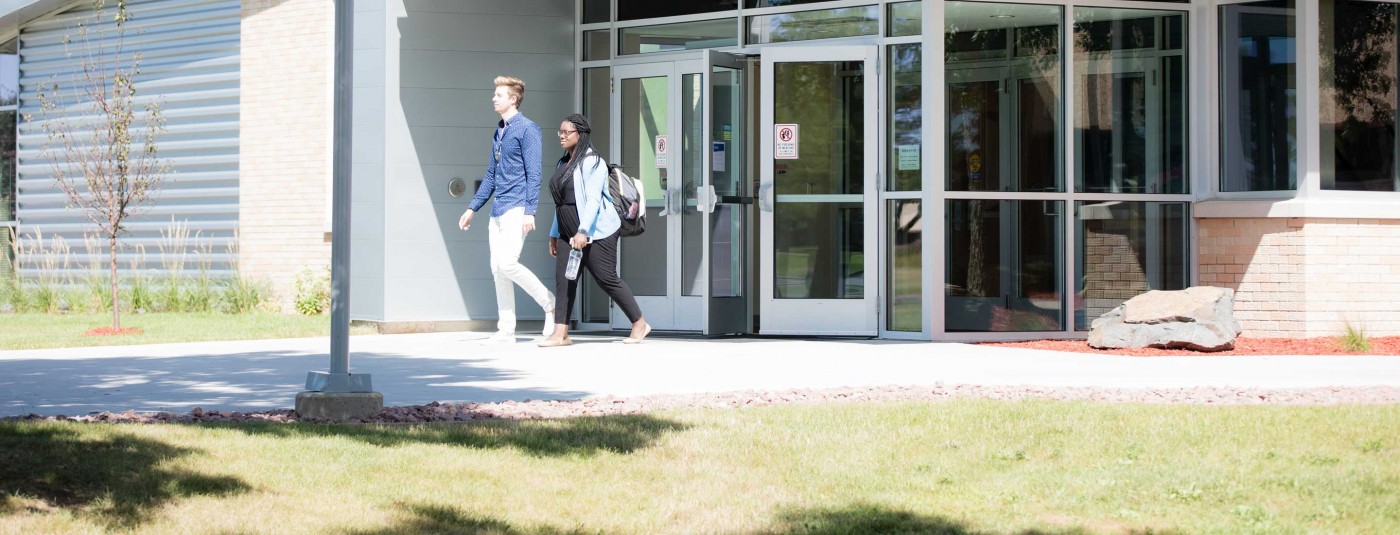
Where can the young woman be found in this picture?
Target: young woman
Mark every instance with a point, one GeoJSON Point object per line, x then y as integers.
{"type": "Point", "coordinates": [585, 220]}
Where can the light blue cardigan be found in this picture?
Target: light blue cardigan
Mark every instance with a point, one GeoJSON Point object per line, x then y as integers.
{"type": "Point", "coordinates": [596, 215]}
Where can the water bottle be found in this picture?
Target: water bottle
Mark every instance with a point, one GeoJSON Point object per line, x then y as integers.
{"type": "Point", "coordinates": [575, 258]}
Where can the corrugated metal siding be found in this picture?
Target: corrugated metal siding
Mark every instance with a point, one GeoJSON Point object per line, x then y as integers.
{"type": "Point", "coordinates": [190, 64]}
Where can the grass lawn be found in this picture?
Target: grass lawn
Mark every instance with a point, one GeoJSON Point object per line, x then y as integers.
{"type": "Point", "coordinates": [36, 331]}
{"type": "Point", "coordinates": [969, 466]}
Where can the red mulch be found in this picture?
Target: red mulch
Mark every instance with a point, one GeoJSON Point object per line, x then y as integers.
{"type": "Point", "coordinates": [108, 331]}
{"type": "Point", "coordinates": [1385, 345]}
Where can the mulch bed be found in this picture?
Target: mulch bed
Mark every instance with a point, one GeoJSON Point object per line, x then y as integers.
{"type": "Point", "coordinates": [108, 331]}
{"type": "Point", "coordinates": [1385, 345]}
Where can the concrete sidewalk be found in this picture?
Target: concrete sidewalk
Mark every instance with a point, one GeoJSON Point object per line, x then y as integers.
{"type": "Point", "coordinates": [413, 369]}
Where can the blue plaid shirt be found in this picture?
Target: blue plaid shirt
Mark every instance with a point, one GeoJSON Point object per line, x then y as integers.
{"type": "Point", "coordinates": [514, 172]}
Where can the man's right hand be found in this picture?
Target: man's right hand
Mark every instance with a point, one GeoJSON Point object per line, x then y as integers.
{"type": "Point", "coordinates": [553, 248]}
{"type": "Point", "coordinates": [466, 221]}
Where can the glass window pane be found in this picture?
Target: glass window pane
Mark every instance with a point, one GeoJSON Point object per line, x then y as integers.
{"type": "Point", "coordinates": [680, 36]}
{"type": "Point", "coordinates": [905, 306]}
{"type": "Point", "coordinates": [1125, 249]}
{"type": "Point", "coordinates": [647, 9]}
{"type": "Point", "coordinates": [9, 73]}
{"type": "Point", "coordinates": [691, 153]}
{"type": "Point", "coordinates": [818, 250]}
{"type": "Point", "coordinates": [1004, 266]}
{"type": "Point", "coordinates": [595, 11]}
{"type": "Point", "coordinates": [906, 119]}
{"type": "Point", "coordinates": [597, 107]}
{"type": "Point", "coordinates": [1129, 110]}
{"type": "Point", "coordinates": [1258, 97]}
{"type": "Point", "coordinates": [1359, 143]}
{"type": "Point", "coordinates": [595, 45]}
{"type": "Point", "coordinates": [644, 117]}
{"type": "Point", "coordinates": [750, 4]}
{"type": "Point", "coordinates": [7, 166]}
{"type": "Point", "coordinates": [905, 18]}
{"type": "Point", "coordinates": [824, 24]}
{"type": "Point", "coordinates": [828, 105]}
{"type": "Point", "coordinates": [1003, 114]}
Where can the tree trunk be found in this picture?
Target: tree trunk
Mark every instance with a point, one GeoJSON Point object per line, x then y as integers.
{"type": "Point", "coordinates": [116, 298]}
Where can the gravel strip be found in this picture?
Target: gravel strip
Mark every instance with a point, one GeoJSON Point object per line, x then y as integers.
{"type": "Point", "coordinates": [605, 406]}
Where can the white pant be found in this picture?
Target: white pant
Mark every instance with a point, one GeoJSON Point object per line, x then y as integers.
{"type": "Point", "coordinates": [506, 237]}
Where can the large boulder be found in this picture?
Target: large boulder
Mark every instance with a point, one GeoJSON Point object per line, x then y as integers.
{"type": "Point", "coordinates": [1200, 318]}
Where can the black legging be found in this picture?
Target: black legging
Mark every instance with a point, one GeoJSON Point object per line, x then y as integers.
{"type": "Point", "coordinates": [600, 257]}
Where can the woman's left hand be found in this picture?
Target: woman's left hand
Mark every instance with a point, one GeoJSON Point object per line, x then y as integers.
{"type": "Point", "coordinates": [578, 241]}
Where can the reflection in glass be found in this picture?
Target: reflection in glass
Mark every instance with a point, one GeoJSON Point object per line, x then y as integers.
{"type": "Point", "coordinates": [596, 11]}
{"type": "Point", "coordinates": [1359, 72]}
{"type": "Point", "coordinates": [597, 107]}
{"type": "Point", "coordinates": [906, 118]}
{"type": "Point", "coordinates": [648, 9]}
{"type": "Point", "coordinates": [819, 250]}
{"type": "Point", "coordinates": [804, 25]}
{"type": "Point", "coordinates": [644, 103]}
{"type": "Point", "coordinates": [1003, 105]}
{"type": "Point", "coordinates": [727, 251]}
{"type": "Point", "coordinates": [905, 308]}
{"type": "Point", "coordinates": [1130, 132]}
{"type": "Point", "coordinates": [826, 100]}
{"type": "Point", "coordinates": [1125, 249]}
{"type": "Point", "coordinates": [595, 45]}
{"type": "Point", "coordinates": [692, 150]}
{"type": "Point", "coordinates": [905, 18]}
{"type": "Point", "coordinates": [1258, 94]}
{"type": "Point", "coordinates": [679, 36]}
{"type": "Point", "coordinates": [9, 73]}
{"type": "Point", "coordinates": [818, 216]}
{"type": "Point", "coordinates": [1004, 266]}
{"type": "Point", "coordinates": [726, 174]}
{"type": "Point", "coordinates": [7, 167]}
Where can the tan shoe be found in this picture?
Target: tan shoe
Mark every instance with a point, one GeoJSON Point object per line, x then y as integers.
{"type": "Point", "coordinates": [646, 329]}
{"type": "Point", "coordinates": [556, 343]}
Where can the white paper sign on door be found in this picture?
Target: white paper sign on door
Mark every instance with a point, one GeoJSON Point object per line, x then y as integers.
{"type": "Point", "coordinates": [908, 158]}
{"type": "Point", "coordinates": [785, 142]}
{"type": "Point", "coordinates": [717, 157]}
{"type": "Point", "coordinates": [663, 152]}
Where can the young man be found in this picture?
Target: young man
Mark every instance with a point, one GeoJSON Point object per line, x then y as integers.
{"type": "Point", "coordinates": [513, 176]}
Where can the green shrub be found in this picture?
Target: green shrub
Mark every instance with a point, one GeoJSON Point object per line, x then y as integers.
{"type": "Point", "coordinates": [243, 295]}
{"type": "Point", "coordinates": [139, 296]}
{"type": "Point", "coordinates": [1354, 340]}
{"type": "Point", "coordinates": [200, 295]}
{"type": "Point", "coordinates": [313, 291]}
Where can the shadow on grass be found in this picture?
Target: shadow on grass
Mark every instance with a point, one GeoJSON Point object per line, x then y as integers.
{"type": "Point", "coordinates": [442, 519]}
{"type": "Point", "coordinates": [118, 475]}
{"type": "Point", "coordinates": [556, 437]}
{"type": "Point", "coordinates": [860, 519]}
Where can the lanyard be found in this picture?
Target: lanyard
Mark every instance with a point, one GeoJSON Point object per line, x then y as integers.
{"type": "Point", "coordinates": [499, 141]}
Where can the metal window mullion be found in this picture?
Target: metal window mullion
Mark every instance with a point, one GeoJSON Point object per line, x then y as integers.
{"type": "Point", "coordinates": [934, 116]}
{"type": "Point", "coordinates": [1309, 103]}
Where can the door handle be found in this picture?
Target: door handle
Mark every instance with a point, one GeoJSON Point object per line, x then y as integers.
{"type": "Point", "coordinates": [710, 200]}
{"type": "Point", "coordinates": [765, 197]}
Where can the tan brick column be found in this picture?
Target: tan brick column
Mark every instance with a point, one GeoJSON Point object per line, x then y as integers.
{"type": "Point", "coordinates": [1305, 277]}
{"type": "Point", "coordinates": [284, 140]}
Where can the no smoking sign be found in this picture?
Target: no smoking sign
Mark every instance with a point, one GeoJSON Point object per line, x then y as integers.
{"type": "Point", "coordinates": [785, 139]}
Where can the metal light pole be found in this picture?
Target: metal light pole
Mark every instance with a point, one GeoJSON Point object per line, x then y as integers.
{"type": "Point", "coordinates": [339, 393]}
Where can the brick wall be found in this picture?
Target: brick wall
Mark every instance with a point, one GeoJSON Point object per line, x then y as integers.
{"type": "Point", "coordinates": [1114, 269]}
{"type": "Point", "coordinates": [1305, 277]}
{"type": "Point", "coordinates": [285, 140]}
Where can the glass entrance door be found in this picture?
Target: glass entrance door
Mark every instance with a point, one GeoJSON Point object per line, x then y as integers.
{"type": "Point", "coordinates": [818, 196]}
{"type": "Point", "coordinates": [677, 126]}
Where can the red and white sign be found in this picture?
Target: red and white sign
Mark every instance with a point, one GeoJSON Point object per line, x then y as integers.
{"type": "Point", "coordinates": [784, 142]}
{"type": "Point", "coordinates": [663, 152]}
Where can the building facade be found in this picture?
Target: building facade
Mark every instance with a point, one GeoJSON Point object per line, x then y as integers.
{"type": "Point", "coordinates": [902, 169]}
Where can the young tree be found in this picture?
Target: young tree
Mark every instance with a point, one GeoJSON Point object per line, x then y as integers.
{"type": "Point", "coordinates": [103, 160]}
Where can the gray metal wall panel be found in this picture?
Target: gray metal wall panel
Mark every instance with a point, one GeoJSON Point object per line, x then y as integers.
{"type": "Point", "coordinates": [367, 193]}
{"type": "Point", "coordinates": [190, 65]}
{"type": "Point", "coordinates": [442, 58]}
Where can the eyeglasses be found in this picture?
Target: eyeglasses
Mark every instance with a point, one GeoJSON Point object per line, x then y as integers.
{"type": "Point", "coordinates": [565, 133]}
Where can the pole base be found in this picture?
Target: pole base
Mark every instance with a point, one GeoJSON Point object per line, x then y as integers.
{"type": "Point", "coordinates": [338, 406]}
{"type": "Point", "coordinates": [338, 382]}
